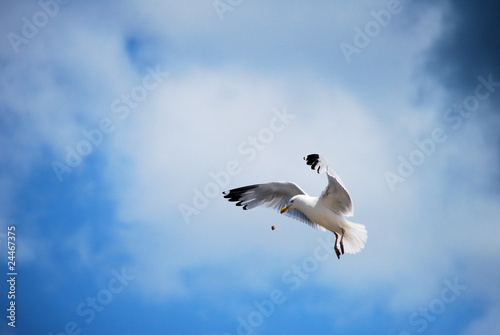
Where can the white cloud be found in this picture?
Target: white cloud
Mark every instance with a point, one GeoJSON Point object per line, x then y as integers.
{"type": "Point", "coordinates": [210, 114]}
{"type": "Point", "coordinates": [189, 128]}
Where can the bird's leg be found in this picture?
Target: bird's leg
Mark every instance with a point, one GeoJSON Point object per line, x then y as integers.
{"type": "Point", "coordinates": [342, 240]}
{"type": "Point", "coordinates": [337, 251]}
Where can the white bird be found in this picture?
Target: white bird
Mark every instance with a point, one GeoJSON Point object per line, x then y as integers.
{"type": "Point", "coordinates": [327, 211]}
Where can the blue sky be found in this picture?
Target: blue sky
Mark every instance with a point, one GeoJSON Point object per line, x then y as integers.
{"type": "Point", "coordinates": [122, 122]}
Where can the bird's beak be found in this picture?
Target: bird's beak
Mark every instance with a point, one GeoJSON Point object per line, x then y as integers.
{"type": "Point", "coordinates": [284, 209]}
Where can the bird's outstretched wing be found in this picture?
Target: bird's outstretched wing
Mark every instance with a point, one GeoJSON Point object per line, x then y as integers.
{"type": "Point", "coordinates": [273, 195]}
{"type": "Point", "coordinates": [335, 195]}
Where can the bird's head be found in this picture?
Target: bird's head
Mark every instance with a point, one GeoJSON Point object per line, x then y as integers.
{"type": "Point", "coordinates": [291, 204]}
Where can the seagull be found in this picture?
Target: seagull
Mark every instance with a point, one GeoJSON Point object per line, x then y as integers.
{"type": "Point", "coordinates": [326, 212]}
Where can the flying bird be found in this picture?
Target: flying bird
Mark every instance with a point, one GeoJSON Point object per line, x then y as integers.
{"type": "Point", "coordinates": [328, 211]}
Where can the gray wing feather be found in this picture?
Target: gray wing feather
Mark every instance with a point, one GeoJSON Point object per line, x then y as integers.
{"type": "Point", "coordinates": [335, 195]}
{"type": "Point", "coordinates": [273, 195]}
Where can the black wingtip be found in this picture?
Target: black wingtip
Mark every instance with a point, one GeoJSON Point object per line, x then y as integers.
{"type": "Point", "coordinates": [235, 195]}
{"type": "Point", "coordinates": [313, 160]}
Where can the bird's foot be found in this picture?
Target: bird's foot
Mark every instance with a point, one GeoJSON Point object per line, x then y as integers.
{"type": "Point", "coordinates": [337, 251]}
{"type": "Point", "coordinates": [342, 241]}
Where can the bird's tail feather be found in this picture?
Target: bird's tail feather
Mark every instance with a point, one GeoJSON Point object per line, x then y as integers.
{"type": "Point", "coordinates": [354, 237]}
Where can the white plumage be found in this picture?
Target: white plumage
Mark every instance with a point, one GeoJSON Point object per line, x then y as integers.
{"type": "Point", "coordinates": [327, 211]}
